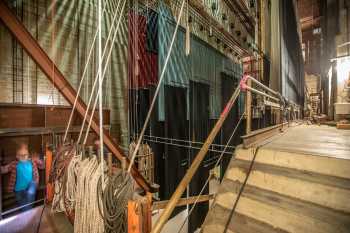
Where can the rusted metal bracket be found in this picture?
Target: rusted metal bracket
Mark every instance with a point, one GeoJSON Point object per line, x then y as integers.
{"type": "Point", "coordinates": [56, 77]}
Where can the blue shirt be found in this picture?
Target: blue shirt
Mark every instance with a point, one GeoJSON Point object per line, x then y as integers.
{"type": "Point", "coordinates": [24, 175]}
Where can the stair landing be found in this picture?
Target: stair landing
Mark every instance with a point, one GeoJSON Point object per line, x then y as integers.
{"type": "Point", "coordinates": [299, 182]}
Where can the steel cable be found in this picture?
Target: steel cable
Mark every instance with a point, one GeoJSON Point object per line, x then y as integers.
{"type": "Point", "coordinates": [207, 181]}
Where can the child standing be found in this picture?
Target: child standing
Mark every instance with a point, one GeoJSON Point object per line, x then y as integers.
{"type": "Point", "coordinates": [24, 175]}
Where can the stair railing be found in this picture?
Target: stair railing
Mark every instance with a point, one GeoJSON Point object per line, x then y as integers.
{"type": "Point", "coordinates": [244, 85]}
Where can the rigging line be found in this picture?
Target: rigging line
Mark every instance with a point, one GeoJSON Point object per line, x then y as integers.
{"type": "Point", "coordinates": [207, 181]}
{"type": "Point", "coordinates": [98, 71]}
{"type": "Point", "coordinates": [241, 189]}
{"type": "Point", "coordinates": [53, 51]}
{"type": "Point", "coordinates": [103, 74]}
{"type": "Point", "coordinates": [96, 78]}
{"type": "Point", "coordinates": [157, 90]}
{"type": "Point", "coordinates": [184, 146]}
{"type": "Point", "coordinates": [100, 84]}
{"type": "Point", "coordinates": [157, 139]}
{"type": "Point", "coordinates": [82, 79]}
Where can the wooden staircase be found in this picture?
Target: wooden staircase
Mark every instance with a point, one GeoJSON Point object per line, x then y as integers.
{"type": "Point", "coordinates": [285, 192]}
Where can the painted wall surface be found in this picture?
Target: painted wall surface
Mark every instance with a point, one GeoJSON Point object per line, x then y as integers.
{"type": "Point", "coordinates": [204, 63]}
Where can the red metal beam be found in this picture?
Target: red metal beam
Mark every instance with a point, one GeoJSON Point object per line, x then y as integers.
{"type": "Point", "coordinates": [56, 77]}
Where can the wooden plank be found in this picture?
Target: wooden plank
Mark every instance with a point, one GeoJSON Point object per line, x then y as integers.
{"type": "Point", "coordinates": [140, 215]}
{"type": "Point", "coordinates": [257, 136]}
{"type": "Point", "coordinates": [16, 132]}
{"type": "Point", "coordinates": [183, 201]}
{"type": "Point", "coordinates": [343, 126]}
{"type": "Point", "coordinates": [48, 165]}
{"type": "Point", "coordinates": [29, 115]}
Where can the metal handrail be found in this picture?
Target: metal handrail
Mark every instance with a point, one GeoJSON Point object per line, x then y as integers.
{"type": "Point", "coordinates": [204, 149]}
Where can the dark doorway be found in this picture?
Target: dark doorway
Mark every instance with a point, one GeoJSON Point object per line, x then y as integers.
{"type": "Point", "coordinates": [199, 128]}
{"type": "Point", "coordinates": [175, 127]}
{"type": "Point", "coordinates": [228, 86]}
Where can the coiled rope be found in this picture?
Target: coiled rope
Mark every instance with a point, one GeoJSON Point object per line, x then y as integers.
{"type": "Point", "coordinates": [115, 196]}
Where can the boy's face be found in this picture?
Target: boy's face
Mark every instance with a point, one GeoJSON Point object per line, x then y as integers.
{"type": "Point", "coordinates": [97, 144]}
{"type": "Point", "coordinates": [22, 153]}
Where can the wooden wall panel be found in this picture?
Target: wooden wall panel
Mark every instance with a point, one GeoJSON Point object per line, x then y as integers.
{"type": "Point", "coordinates": [28, 116]}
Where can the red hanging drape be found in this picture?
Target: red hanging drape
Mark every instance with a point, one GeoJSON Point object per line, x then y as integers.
{"type": "Point", "coordinates": [142, 65]}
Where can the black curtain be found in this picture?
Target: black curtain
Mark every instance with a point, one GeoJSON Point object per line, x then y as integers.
{"type": "Point", "coordinates": [228, 85]}
{"type": "Point", "coordinates": [199, 128]}
{"type": "Point", "coordinates": [175, 125]}
{"type": "Point", "coordinates": [139, 101]}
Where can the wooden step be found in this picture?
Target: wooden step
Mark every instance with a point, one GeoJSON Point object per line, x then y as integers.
{"type": "Point", "coordinates": [278, 217]}
{"type": "Point", "coordinates": [239, 224]}
{"type": "Point", "coordinates": [338, 220]}
{"type": "Point", "coordinates": [325, 165]}
{"type": "Point", "coordinates": [328, 191]}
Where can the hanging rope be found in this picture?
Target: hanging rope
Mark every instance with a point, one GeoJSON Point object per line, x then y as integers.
{"type": "Point", "coordinates": [82, 79]}
{"type": "Point", "coordinates": [115, 196]}
{"type": "Point", "coordinates": [158, 88]}
{"type": "Point", "coordinates": [100, 81]}
{"type": "Point", "coordinates": [57, 175]}
{"type": "Point", "coordinates": [188, 31]}
{"type": "Point", "coordinates": [53, 52]}
{"type": "Point", "coordinates": [98, 72]}
{"type": "Point", "coordinates": [103, 75]}
{"type": "Point", "coordinates": [87, 217]}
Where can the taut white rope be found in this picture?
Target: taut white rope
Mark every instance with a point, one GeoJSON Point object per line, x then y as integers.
{"type": "Point", "coordinates": [103, 75]}
{"type": "Point", "coordinates": [158, 88]}
{"type": "Point", "coordinates": [82, 80]}
{"type": "Point", "coordinates": [98, 72]}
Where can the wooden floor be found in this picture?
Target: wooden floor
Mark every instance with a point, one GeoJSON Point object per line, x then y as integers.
{"type": "Point", "coordinates": [27, 222]}
{"type": "Point", "coordinates": [312, 139]}
{"type": "Point", "coordinates": [299, 182]}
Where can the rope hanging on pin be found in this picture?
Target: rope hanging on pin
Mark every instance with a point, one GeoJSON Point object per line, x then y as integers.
{"type": "Point", "coordinates": [188, 32]}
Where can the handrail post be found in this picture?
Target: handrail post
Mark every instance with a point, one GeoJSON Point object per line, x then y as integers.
{"type": "Point", "coordinates": [248, 108]}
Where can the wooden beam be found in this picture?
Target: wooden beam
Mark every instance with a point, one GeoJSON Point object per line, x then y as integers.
{"type": "Point", "coordinates": [140, 215]}
{"type": "Point", "coordinates": [257, 136]}
{"type": "Point", "coordinates": [49, 68]}
{"type": "Point", "coordinates": [15, 132]}
{"type": "Point", "coordinates": [343, 126]}
{"type": "Point", "coordinates": [183, 201]}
